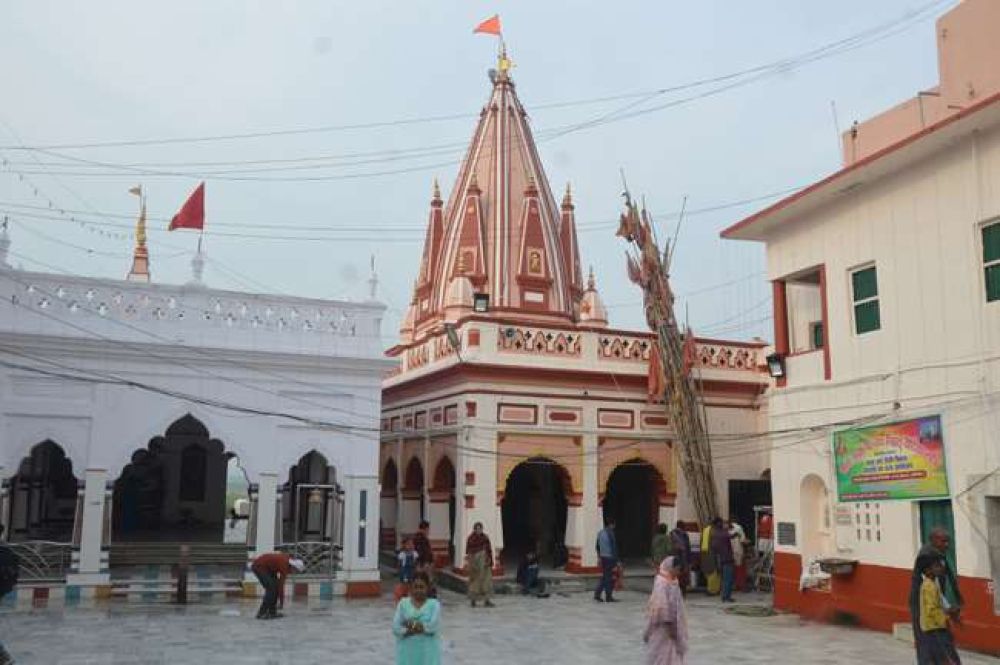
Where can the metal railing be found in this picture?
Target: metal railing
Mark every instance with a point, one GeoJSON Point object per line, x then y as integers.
{"type": "Point", "coordinates": [322, 559]}
{"type": "Point", "coordinates": [42, 560]}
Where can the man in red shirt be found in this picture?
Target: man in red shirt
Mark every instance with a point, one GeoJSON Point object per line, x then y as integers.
{"type": "Point", "coordinates": [272, 569]}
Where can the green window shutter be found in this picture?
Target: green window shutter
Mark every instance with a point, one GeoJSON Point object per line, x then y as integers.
{"type": "Point", "coordinates": [865, 283]}
{"type": "Point", "coordinates": [866, 317]}
{"type": "Point", "coordinates": [817, 334]}
{"type": "Point", "coordinates": [993, 283]}
{"type": "Point", "coordinates": [991, 243]}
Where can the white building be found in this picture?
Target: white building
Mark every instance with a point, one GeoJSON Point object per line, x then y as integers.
{"type": "Point", "coordinates": [128, 409]}
{"type": "Point", "coordinates": [887, 310]}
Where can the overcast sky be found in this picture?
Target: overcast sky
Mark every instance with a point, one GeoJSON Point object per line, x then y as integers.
{"type": "Point", "coordinates": [111, 70]}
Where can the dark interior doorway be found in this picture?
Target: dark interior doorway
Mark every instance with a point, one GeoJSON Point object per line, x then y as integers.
{"type": "Point", "coordinates": [174, 489]}
{"type": "Point", "coordinates": [43, 496]}
{"type": "Point", "coordinates": [632, 500]}
{"type": "Point", "coordinates": [743, 496]}
{"type": "Point", "coordinates": [534, 511]}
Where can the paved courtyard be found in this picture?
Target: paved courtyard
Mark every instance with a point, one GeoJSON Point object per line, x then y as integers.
{"type": "Point", "coordinates": [561, 629]}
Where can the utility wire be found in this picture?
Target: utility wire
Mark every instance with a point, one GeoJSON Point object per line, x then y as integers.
{"type": "Point", "coordinates": [863, 38]}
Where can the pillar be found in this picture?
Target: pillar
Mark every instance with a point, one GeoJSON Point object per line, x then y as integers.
{"type": "Point", "coordinates": [584, 520]}
{"type": "Point", "coordinates": [4, 508]}
{"type": "Point", "coordinates": [400, 481]}
{"type": "Point", "coordinates": [90, 558]}
{"type": "Point", "coordinates": [265, 519]}
{"type": "Point", "coordinates": [360, 556]}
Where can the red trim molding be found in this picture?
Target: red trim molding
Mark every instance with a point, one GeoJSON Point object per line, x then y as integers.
{"type": "Point", "coordinates": [876, 596]}
{"type": "Point", "coordinates": [363, 590]}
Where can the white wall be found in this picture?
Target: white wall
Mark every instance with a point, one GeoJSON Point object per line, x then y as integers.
{"type": "Point", "coordinates": [938, 347]}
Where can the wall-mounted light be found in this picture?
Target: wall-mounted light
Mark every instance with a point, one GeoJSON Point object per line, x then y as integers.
{"type": "Point", "coordinates": [481, 302]}
{"type": "Point", "coordinates": [776, 366]}
{"type": "Point", "coordinates": [453, 339]}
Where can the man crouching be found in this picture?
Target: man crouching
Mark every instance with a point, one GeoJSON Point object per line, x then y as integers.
{"type": "Point", "coordinates": [272, 569]}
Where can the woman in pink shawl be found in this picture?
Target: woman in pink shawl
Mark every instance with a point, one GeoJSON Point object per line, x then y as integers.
{"type": "Point", "coordinates": [666, 634]}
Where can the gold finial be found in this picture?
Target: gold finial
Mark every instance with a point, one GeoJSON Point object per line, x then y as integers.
{"type": "Point", "coordinates": [504, 64]}
{"type": "Point", "coordinates": [437, 190]}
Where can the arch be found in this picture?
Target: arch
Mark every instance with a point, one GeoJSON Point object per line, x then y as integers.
{"type": "Point", "coordinates": [633, 495]}
{"type": "Point", "coordinates": [174, 488]}
{"type": "Point", "coordinates": [535, 508]}
{"type": "Point", "coordinates": [308, 498]}
{"type": "Point", "coordinates": [390, 478]}
{"type": "Point", "coordinates": [43, 495]}
{"type": "Point", "coordinates": [72, 434]}
{"type": "Point", "coordinates": [192, 419]}
{"type": "Point", "coordinates": [444, 476]}
{"type": "Point", "coordinates": [814, 517]}
{"type": "Point", "coordinates": [414, 478]}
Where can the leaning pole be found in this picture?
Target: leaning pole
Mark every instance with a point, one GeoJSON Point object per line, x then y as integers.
{"type": "Point", "coordinates": [649, 268]}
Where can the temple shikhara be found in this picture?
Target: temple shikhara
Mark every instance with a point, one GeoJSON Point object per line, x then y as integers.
{"type": "Point", "coordinates": [514, 403]}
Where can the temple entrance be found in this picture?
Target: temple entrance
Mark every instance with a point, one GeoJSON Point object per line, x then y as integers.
{"type": "Point", "coordinates": [43, 496]}
{"type": "Point", "coordinates": [534, 511]}
{"type": "Point", "coordinates": [306, 500]}
{"type": "Point", "coordinates": [632, 500]}
{"type": "Point", "coordinates": [312, 515]}
{"type": "Point", "coordinates": [174, 489]}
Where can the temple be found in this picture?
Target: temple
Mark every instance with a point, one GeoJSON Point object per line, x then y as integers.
{"type": "Point", "coordinates": [514, 403]}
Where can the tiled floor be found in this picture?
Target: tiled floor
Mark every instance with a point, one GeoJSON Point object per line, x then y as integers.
{"type": "Point", "coordinates": [561, 629]}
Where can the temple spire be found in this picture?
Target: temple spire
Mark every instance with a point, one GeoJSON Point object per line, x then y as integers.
{"type": "Point", "coordinates": [140, 255]}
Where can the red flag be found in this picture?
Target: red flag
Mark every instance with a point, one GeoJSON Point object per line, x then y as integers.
{"type": "Point", "coordinates": [490, 26]}
{"type": "Point", "coordinates": [192, 213]}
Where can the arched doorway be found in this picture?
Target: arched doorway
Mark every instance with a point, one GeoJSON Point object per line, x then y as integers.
{"type": "Point", "coordinates": [411, 505]}
{"type": "Point", "coordinates": [174, 489]}
{"type": "Point", "coordinates": [388, 507]}
{"type": "Point", "coordinates": [442, 496]}
{"type": "Point", "coordinates": [632, 500]}
{"type": "Point", "coordinates": [307, 500]}
{"type": "Point", "coordinates": [534, 510]}
{"type": "Point", "coordinates": [43, 496]}
{"type": "Point", "coordinates": [814, 507]}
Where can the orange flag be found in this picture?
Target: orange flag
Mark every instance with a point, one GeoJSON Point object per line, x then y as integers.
{"type": "Point", "coordinates": [490, 26]}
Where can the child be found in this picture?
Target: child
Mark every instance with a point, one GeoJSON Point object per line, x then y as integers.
{"type": "Point", "coordinates": [407, 561]}
{"type": "Point", "coordinates": [407, 558]}
{"type": "Point", "coordinates": [938, 644]}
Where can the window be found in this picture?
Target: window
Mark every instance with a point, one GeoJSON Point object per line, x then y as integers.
{"type": "Point", "coordinates": [864, 287]}
{"type": "Point", "coordinates": [194, 472]}
{"type": "Point", "coordinates": [991, 260]}
{"type": "Point", "coordinates": [816, 332]}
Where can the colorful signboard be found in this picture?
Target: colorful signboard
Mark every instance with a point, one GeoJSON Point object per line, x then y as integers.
{"type": "Point", "coordinates": [903, 460]}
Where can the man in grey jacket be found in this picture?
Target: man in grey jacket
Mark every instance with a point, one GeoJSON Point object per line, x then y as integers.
{"type": "Point", "coordinates": [607, 552]}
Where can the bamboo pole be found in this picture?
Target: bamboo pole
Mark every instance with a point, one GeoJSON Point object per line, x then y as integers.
{"type": "Point", "coordinates": [649, 268]}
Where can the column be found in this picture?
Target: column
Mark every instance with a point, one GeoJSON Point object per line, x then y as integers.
{"type": "Point", "coordinates": [400, 481]}
{"type": "Point", "coordinates": [265, 519]}
{"type": "Point", "coordinates": [583, 520]}
{"type": "Point", "coordinates": [464, 495]}
{"type": "Point", "coordinates": [4, 508]}
{"type": "Point", "coordinates": [360, 556]}
{"type": "Point", "coordinates": [90, 559]}
{"type": "Point", "coordinates": [481, 499]}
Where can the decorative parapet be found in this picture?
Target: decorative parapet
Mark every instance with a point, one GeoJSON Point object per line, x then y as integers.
{"type": "Point", "coordinates": [720, 355]}
{"type": "Point", "coordinates": [118, 310]}
{"type": "Point", "coordinates": [621, 347]}
{"type": "Point", "coordinates": [537, 341]}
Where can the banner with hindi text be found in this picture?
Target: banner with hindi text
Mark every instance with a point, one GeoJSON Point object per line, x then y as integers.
{"type": "Point", "coordinates": [903, 460]}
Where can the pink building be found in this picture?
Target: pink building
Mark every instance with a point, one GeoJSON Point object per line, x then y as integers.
{"type": "Point", "coordinates": [514, 404]}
